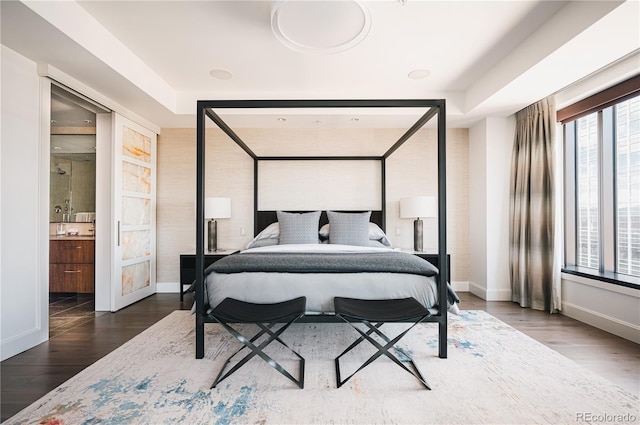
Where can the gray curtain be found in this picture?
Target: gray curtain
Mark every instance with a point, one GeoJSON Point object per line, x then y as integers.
{"type": "Point", "coordinates": [532, 208]}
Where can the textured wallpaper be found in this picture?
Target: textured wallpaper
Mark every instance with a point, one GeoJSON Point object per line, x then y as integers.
{"type": "Point", "coordinates": [411, 171]}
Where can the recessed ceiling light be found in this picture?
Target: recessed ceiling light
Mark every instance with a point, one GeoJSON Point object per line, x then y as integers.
{"type": "Point", "coordinates": [221, 74]}
{"type": "Point", "coordinates": [419, 74]}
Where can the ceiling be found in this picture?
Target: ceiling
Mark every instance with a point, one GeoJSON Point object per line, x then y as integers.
{"type": "Point", "coordinates": [155, 58]}
{"type": "Point", "coordinates": [71, 111]}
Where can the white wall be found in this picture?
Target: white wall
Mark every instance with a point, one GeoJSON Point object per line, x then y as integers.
{"type": "Point", "coordinates": [613, 308]}
{"type": "Point", "coordinates": [23, 228]}
{"type": "Point", "coordinates": [478, 204]}
{"type": "Point", "coordinates": [500, 134]}
{"type": "Point", "coordinates": [490, 146]}
{"type": "Point", "coordinates": [320, 185]}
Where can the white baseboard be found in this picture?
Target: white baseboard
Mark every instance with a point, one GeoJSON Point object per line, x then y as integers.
{"type": "Point", "coordinates": [460, 286]}
{"type": "Point", "coordinates": [478, 290]}
{"type": "Point", "coordinates": [601, 321]}
{"type": "Point", "coordinates": [168, 287]}
{"type": "Point", "coordinates": [20, 343]}
{"type": "Point", "coordinates": [490, 295]}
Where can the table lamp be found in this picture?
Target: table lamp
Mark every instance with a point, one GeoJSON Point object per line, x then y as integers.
{"type": "Point", "coordinates": [418, 207]}
{"type": "Point", "coordinates": [216, 208]}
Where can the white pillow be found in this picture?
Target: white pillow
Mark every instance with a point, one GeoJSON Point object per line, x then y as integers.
{"type": "Point", "coordinates": [376, 234]}
{"type": "Point", "coordinates": [272, 231]}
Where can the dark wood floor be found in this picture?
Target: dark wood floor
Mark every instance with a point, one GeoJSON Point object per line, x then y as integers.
{"type": "Point", "coordinates": [66, 311]}
{"type": "Point", "coordinates": [28, 376]}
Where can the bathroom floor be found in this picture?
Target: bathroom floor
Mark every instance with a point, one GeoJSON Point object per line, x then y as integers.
{"type": "Point", "coordinates": [69, 310]}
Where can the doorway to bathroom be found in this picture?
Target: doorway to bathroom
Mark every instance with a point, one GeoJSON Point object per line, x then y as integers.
{"type": "Point", "coordinates": [72, 211]}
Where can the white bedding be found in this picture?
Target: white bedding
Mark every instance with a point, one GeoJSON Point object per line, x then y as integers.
{"type": "Point", "coordinates": [319, 288]}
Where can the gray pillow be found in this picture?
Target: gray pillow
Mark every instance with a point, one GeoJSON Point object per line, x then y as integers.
{"type": "Point", "coordinates": [375, 235]}
{"type": "Point", "coordinates": [349, 228]}
{"type": "Point", "coordinates": [298, 228]}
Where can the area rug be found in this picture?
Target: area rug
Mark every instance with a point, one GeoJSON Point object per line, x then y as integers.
{"type": "Point", "coordinates": [494, 374]}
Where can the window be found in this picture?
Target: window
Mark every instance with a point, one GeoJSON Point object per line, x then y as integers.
{"type": "Point", "coordinates": [602, 185]}
{"type": "Point", "coordinates": [587, 193]}
{"type": "Point", "coordinates": [628, 186]}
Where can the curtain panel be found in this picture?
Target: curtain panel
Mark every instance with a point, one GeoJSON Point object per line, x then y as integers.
{"type": "Point", "coordinates": [532, 209]}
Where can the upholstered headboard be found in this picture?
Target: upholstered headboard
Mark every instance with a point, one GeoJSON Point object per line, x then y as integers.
{"type": "Point", "coordinates": [265, 218]}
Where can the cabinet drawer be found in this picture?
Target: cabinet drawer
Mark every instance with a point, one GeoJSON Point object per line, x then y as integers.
{"type": "Point", "coordinates": [71, 252]}
{"type": "Point", "coordinates": [71, 278]}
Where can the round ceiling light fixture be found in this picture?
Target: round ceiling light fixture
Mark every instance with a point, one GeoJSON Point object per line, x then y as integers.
{"type": "Point", "coordinates": [221, 74]}
{"type": "Point", "coordinates": [419, 74]}
{"type": "Point", "coordinates": [320, 27]}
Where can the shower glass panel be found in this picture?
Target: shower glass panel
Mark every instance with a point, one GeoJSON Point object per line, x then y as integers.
{"type": "Point", "coordinates": [72, 177]}
{"type": "Point", "coordinates": [60, 191]}
{"type": "Point", "coordinates": [72, 186]}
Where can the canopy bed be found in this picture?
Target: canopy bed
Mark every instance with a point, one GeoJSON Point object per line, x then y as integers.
{"type": "Point", "coordinates": [299, 266]}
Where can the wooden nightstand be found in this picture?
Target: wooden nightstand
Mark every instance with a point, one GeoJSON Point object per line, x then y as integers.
{"type": "Point", "coordinates": [188, 266]}
{"type": "Point", "coordinates": [433, 259]}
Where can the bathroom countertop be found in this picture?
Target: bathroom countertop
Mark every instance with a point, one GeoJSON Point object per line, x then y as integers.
{"type": "Point", "coordinates": [72, 238]}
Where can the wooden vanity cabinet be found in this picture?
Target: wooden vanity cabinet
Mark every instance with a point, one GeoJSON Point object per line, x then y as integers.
{"type": "Point", "coordinates": [71, 266]}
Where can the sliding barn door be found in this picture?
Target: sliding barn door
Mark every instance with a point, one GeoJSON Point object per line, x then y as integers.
{"type": "Point", "coordinates": [134, 203]}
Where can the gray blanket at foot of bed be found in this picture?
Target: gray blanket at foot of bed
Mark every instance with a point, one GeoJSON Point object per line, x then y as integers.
{"type": "Point", "coordinates": [387, 262]}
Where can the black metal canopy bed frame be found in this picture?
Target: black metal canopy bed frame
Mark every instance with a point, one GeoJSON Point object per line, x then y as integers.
{"type": "Point", "coordinates": [206, 110]}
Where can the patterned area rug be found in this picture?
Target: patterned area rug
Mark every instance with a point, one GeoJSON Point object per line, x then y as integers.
{"type": "Point", "coordinates": [494, 374]}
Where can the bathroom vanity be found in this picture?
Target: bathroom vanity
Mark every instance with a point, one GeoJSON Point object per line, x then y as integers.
{"type": "Point", "coordinates": [71, 264]}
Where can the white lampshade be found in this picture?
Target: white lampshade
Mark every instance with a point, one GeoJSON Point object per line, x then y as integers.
{"type": "Point", "coordinates": [418, 206]}
{"type": "Point", "coordinates": [217, 208]}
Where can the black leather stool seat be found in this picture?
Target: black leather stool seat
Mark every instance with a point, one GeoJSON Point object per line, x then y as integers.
{"type": "Point", "coordinates": [368, 312]}
{"type": "Point", "coordinates": [394, 310]}
{"type": "Point", "coordinates": [266, 317]}
{"type": "Point", "coordinates": [235, 311]}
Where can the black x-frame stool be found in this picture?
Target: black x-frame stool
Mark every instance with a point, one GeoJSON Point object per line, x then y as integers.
{"type": "Point", "coordinates": [266, 317]}
{"type": "Point", "coordinates": [368, 312]}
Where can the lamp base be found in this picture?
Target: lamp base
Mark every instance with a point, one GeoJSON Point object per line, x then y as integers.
{"type": "Point", "coordinates": [213, 236]}
{"type": "Point", "coordinates": [417, 235]}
